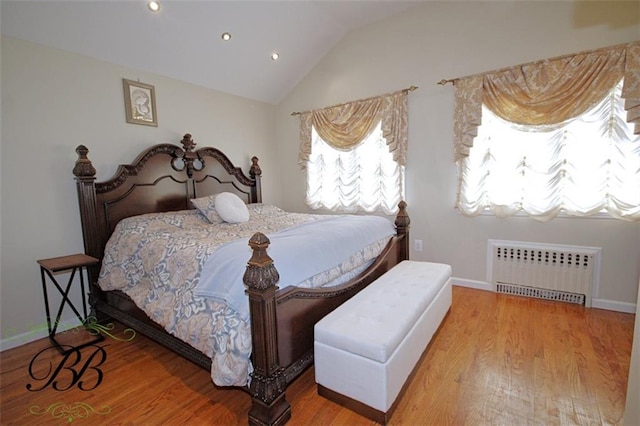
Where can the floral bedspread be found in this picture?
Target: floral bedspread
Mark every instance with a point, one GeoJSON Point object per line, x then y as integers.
{"type": "Point", "coordinates": [156, 259]}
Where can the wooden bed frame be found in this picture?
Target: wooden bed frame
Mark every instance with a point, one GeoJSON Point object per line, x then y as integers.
{"type": "Point", "coordinates": [164, 178]}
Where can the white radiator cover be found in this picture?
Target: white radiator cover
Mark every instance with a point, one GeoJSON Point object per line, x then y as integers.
{"type": "Point", "coordinates": [548, 271]}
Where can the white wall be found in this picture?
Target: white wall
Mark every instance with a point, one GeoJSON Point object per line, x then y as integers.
{"type": "Point", "coordinates": [52, 101]}
{"type": "Point", "coordinates": [437, 40]}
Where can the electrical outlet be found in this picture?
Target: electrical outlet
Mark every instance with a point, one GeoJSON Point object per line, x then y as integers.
{"type": "Point", "coordinates": [418, 245]}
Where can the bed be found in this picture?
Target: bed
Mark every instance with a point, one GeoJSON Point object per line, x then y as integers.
{"type": "Point", "coordinates": [165, 179]}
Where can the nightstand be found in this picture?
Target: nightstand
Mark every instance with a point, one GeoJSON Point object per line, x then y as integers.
{"type": "Point", "coordinates": [74, 263]}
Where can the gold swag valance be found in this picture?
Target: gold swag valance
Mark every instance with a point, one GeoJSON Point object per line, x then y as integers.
{"type": "Point", "coordinates": [547, 92]}
{"type": "Point", "coordinates": [344, 126]}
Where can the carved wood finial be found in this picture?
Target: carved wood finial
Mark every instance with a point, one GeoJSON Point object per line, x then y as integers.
{"type": "Point", "coordinates": [83, 167]}
{"type": "Point", "coordinates": [402, 218]}
{"type": "Point", "coordinates": [255, 168]}
{"type": "Point", "coordinates": [188, 143]}
{"type": "Point", "coordinates": [187, 159]}
{"type": "Point", "coordinates": [260, 273]}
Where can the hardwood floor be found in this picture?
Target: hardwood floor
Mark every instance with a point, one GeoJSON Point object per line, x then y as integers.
{"type": "Point", "coordinates": [497, 359]}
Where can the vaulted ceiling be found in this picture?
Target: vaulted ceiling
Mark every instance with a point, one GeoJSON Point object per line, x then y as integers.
{"type": "Point", "coordinates": [183, 39]}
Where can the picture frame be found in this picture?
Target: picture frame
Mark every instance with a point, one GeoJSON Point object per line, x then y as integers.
{"type": "Point", "coordinates": [140, 103]}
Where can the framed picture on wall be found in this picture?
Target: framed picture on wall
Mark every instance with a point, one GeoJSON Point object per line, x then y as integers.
{"type": "Point", "coordinates": [140, 103]}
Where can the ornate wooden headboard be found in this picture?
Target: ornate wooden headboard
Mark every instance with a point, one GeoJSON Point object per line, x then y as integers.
{"type": "Point", "coordinates": [163, 178]}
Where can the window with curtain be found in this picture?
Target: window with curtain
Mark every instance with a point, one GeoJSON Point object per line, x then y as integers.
{"type": "Point", "coordinates": [354, 154]}
{"type": "Point", "coordinates": [364, 178]}
{"type": "Point", "coordinates": [554, 137]}
{"type": "Point", "coordinates": [587, 165]}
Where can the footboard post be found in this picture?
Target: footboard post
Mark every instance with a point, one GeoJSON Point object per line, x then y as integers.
{"type": "Point", "coordinates": [268, 383]}
{"type": "Point", "coordinates": [402, 229]}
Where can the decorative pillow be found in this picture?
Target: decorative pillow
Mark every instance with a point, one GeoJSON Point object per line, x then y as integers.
{"type": "Point", "coordinates": [231, 208]}
{"type": "Point", "coordinates": [206, 206]}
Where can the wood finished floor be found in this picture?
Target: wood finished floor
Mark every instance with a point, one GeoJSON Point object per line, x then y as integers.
{"type": "Point", "coordinates": [497, 360]}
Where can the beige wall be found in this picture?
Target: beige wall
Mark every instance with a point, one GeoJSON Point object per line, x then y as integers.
{"type": "Point", "coordinates": [52, 101]}
{"type": "Point", "coordinates": [437, 40]}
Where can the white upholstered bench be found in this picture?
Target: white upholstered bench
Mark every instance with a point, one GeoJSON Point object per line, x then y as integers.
{"type": "Point", "coordinates": [366, 349]}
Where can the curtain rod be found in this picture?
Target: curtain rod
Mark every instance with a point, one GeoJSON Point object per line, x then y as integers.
{"type": "Point", "coordinates": [444, 81]}
{"type": "Point", "coordinates": [408, 89]}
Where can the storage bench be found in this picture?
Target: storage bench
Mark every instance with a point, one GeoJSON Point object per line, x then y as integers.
{"type": "Point", "coordinates": [366, 349]}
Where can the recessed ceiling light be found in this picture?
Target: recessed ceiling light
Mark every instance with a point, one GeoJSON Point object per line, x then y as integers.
{"type": "Point", "coordinates": [275, 56]}
{"type": "Point", "coordinates": [226, 36]}
{"type": "Point", "coordinates": [153, 6]}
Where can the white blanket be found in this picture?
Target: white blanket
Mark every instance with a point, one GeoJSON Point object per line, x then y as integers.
{"type": "Point", "coordinates": [299, 253]}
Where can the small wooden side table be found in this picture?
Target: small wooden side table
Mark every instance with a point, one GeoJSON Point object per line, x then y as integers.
{"type": "Point", "coordinates": [73, 263]}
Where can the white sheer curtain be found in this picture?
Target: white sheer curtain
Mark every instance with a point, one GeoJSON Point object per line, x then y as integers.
{"type": "Point", "coordinates": [354, 154]}
{"type": "Point", "coordinates": [363, 178]}
{"type": "Point", "coordinates": [580, 167]}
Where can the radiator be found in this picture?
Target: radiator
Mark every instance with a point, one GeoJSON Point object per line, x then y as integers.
{"type": "Point", "coordinates": [546, 271]}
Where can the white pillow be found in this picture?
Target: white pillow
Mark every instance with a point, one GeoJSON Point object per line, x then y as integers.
{"type": "Point", "coordinates": [206, 206]}
{"type": "Point", "coordinates": [231, 208]}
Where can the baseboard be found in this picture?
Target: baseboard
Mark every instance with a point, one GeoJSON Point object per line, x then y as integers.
{"type": "Point", "coordinates": [612, 305]}
{"type": "Point", "coordinates": [36, 333]}
{"type": "Point", "coordinates": [479, 285]}
{"type": "Point", "coordinates": [609, 305]}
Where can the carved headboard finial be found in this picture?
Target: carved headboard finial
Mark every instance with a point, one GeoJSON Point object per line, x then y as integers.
{"type": "Point", "coordinates": [83, 167]}
{"type": "Point", "coordinates": [187, 159]}
{"type": "Point", "coordinates": [188, 143]}
{"type": "Point", "coordinates": [255, 168]}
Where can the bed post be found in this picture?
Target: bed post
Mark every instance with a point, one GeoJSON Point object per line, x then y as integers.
{"type": "Point", "coordinates": [268, 383]}
{"type": "Point", "coordinates": [402, 229]}
{"type": "Point", "coordinates": [85, 175]}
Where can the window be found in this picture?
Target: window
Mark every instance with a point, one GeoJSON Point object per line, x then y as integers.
{"type": "Point", "coordinates": [354, 154]}
{"type": "Point", "coordinates": [566, 140]}
{"type": "Point", "coordinates": [580, 167]}
{"type": "Point", "coordinates": [364, 178]}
